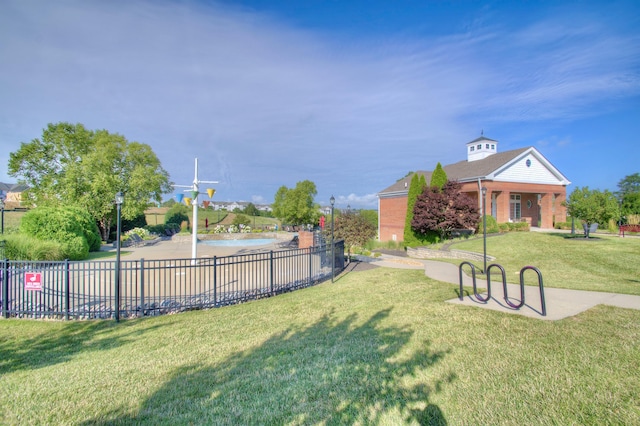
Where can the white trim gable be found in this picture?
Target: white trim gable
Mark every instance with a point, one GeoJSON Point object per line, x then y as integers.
{"type": "Point", "coordinates": [529, 167]}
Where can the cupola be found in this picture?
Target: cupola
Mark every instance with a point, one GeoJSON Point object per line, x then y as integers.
{"type": "Point", "coordinates": [480, 148]}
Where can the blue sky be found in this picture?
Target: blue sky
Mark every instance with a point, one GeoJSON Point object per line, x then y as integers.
{"type": "Point", "coordinates": [351, 95]}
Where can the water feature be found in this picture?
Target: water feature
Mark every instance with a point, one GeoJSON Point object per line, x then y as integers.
{"type": "Point", "coordinates": [240, 242]}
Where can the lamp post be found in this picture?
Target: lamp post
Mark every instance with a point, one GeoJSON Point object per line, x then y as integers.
{"type": "Point", "coordinates": [2, 208]}
{"type": "Point", "coordinates": [333, 257]}
{"type": "Point", "coordinates": [119, 200]}
{"type": "Point", "coordinates": [484, 225]}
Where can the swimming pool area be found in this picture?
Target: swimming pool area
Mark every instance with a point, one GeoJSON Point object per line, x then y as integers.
{"type": "Point", "coordinates": [239, 243]}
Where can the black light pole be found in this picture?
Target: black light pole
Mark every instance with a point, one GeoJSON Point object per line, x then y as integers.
{"type": "Point", "coordinates": [2, 207]}
{"type": "Point", "coordinates": [119, 200]}
{"type": "Point", "coordinates": [484, 225]}
{"type": "Point", "coordinates": [333, 257]}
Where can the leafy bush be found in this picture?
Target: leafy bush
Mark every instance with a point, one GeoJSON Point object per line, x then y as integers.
{"type": "Point", "coordinates": [69, 226]}
{"type": "Point", "coordinates": [24, 247]}
{"type": "Point", "coordinates": [90, 228]}
{"type": "Point", "coordinates": [177, 214]}
{"type": "Point", "coordinates": [492, 225]}
{"type": "Point", "coordinates": [513, 226]}
{"type": "Point", "coordinates": [156, 229]}
{"type": "Point", "coordinates": [141, 232]}
{"type": "Point", "coordinates": [241, 219]}
{"type": "Point", "coordinates": [564, 225]}
{"type": "Point", "coordinates": [139, 221]}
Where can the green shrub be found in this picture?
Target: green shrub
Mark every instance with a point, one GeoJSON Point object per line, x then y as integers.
{"type": "Point", "coordinates": [178, 213]}
{"type": "Point", "coordinates": [141, 232]}
{"type": "Point", "coordinates": [562, 225]}
{"type": "Point", "coordinates": [65, 225]}
{"type": "Point", "coordinates": [89, 227]}
{"type": "Point", "coordinates": [24, 247]}
{"type": "Point", "coordinates": [139, 221]}
{"type": "Point", "coordinates": [241, 219]}
{"type": "Point", "coordinates": [492, 225]}
{"type": "Point", "coordinates": [521, 227]}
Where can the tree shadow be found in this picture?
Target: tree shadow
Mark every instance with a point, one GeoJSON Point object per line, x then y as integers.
{"type": "Point", "coordinates": [332, 372]}
{"type": "Point", "coordinates": [62, 344]}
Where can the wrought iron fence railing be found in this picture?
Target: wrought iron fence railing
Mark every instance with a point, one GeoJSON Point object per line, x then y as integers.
{"type": "Point", "coordinates": [86, 289]}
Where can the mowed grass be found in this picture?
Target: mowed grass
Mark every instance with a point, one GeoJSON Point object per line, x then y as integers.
{"type": "Point", "coordinates": [602, 263]}
{"type": "Point", "coordinates": [377, 347]}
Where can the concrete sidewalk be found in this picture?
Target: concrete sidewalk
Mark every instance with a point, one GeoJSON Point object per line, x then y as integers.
{"type": "Point", "coordinates": [560, 303]}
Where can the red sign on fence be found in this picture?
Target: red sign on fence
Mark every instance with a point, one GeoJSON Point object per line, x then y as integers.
{"type": "Point", "coordinates": [33, 281]}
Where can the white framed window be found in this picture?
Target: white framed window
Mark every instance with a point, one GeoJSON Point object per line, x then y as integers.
{"type": "Point", "coordinates": [472, 148]}
{"type": "Point", "coordinates": [486, 146]}
{"type": "Point", "coordinates": [515, 207]}
{"type": "Point", "coordinates": [479, 146]}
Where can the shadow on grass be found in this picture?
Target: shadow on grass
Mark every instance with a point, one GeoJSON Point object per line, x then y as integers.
{"type": "Point", "coordinates": [64, 343]}
{"type": "Point", "coordinates": [332, 372]}
{"type": "Point", "coordinates": [578, 236]}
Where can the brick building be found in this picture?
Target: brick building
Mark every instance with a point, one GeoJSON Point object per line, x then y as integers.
{"type": "Point", "coordinates": [521, 185]}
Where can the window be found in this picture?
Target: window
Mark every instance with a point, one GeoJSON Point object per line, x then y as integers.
{"type": "Point", "coordinates": [487, 146]}
{"type": "Point", "coordinates": [515, 209]}
{"type": "Point", "coordinates": [472, 148]}
{"type": "Point", "coordinates": [493, 146]}
{"type": "Point", "coordinates": [479, 146]}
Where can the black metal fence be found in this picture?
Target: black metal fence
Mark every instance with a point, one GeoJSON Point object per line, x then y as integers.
{"type": "Point", "coordinates": [86, 290]}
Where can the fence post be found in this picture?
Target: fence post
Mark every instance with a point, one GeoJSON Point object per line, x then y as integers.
{"type": "Point", "coordinates": [5, 288]}
{"type": "Point", "coordinates": [66, 289]}
{"type": "Point", "coordinates": [141, 287]}
{"type": "Point", "coordinates": [271, 270]}
{"type": "Point", "coordinates": [310, 265]}
{"type": "Point", "coordinates": [215, 281]}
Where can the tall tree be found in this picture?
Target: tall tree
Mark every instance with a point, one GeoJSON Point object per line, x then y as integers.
{"type": "Point", "coordinates": [251, 210]}
{"type": "Point", "coordinates": [629, 195]}
{"type": "Point", "coordinates": [438, 177]}
{"type": "Point", "coordinates": [592, 206]}
{"type": "Point", "coordinates": [415, 188]}
{"type": "Point", "coordinates": [444, 210]}
{"type": "Point", "coordinates": [295, 206]}
{"type": "Point", "coordinates": [73, 166]}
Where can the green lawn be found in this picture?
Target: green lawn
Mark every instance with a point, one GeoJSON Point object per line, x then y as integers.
{"type": "Point", "coordinates": [377, 347]}
{"type": "Point", "coordinates": [603, 263]}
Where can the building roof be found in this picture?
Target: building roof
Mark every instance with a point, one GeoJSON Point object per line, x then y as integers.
{"type": "Point", "coordinates": [488, 168]}
{"type": "Point", "coordinates": [13, 187]}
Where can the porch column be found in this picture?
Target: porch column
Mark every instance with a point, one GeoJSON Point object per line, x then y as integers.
{"type": "Point", "coordinates": [546, 210]}
{"type": "Point", "coordinates": [502, 213]}
{"type": "Point", "coordinates": [560, 211]}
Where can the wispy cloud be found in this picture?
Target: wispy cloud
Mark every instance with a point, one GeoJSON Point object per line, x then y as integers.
{"type": "Point", "coordinates": [263, 104]}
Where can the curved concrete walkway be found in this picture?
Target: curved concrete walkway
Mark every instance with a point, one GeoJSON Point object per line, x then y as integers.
{"type": "Point", "coordinates": [560, 303]}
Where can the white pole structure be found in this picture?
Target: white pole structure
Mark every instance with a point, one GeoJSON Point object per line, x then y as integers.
{"type": "Point", "coordinates": [194, 201]}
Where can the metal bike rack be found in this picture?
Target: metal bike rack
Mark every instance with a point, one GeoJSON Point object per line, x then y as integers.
{"type": "Point", "coordinates": [504, 285]}
{"type": "Point", "coordinates": [475, 287]}
{"type": "Point", "coordinates": [540, 285]}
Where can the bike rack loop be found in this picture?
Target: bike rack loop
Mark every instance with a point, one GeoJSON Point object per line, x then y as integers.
{"type": "Point", "coordinates": [540, 285]}
{"type": "Point", "coordinates": [475, 287]}
{"type": "Point", "coordinates": [504, 287]}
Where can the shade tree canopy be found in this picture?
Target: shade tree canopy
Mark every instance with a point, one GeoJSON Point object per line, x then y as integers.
{"type": "Point", "coordinates": [629, 195]}
{"type": "Point", "coordinates": [72, 166]}
{"type": "Point", "coordinates": [295, 206]}
{"type": "Point", "coordinates": [593, 206]}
